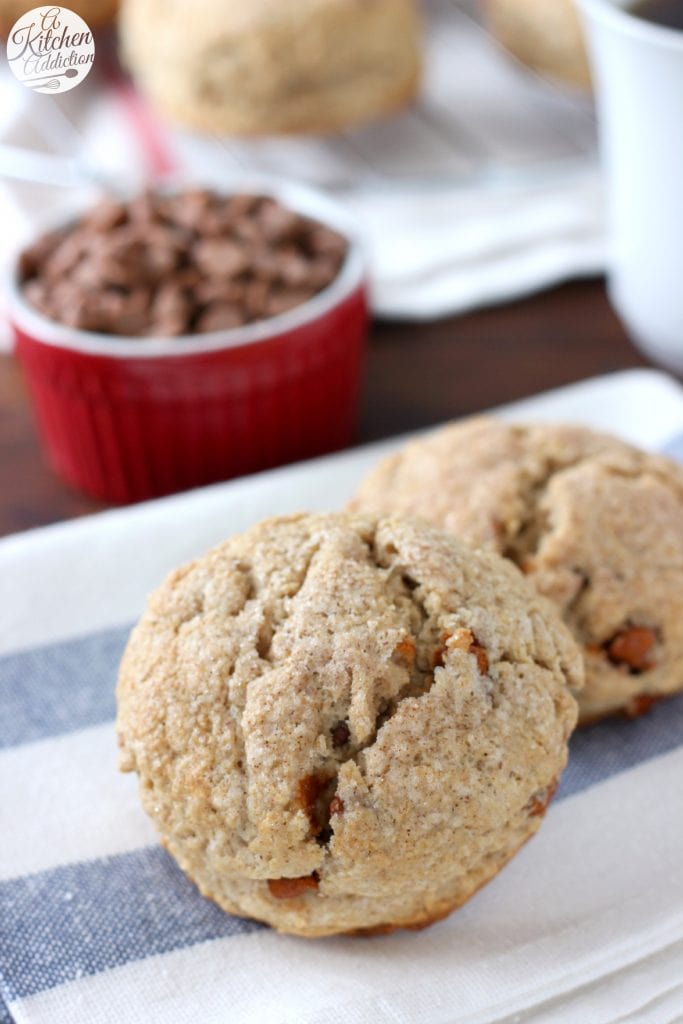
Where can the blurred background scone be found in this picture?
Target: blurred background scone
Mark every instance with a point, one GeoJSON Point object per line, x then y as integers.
{"type": "Point", "coordinates": [95, 12]}
{"type": "Point", "coordinates": [545, 34]}
{"type": "Point", "coordinates": [595, 523]}
{"type": "Point", "coordinates": [345, 724]}
{"type": "Point", "coordinates": [273, 66]}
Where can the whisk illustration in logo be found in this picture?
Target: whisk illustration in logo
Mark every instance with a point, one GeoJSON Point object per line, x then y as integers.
{"type": "Point", "coordinates": [50, 49]}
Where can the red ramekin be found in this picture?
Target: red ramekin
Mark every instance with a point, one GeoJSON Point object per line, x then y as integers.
{"type": "Point", "coordinates": [125, 419]}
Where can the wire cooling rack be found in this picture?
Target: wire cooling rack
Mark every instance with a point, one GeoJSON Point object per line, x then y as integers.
{"type": "Point", "coordinates": [480, 115]}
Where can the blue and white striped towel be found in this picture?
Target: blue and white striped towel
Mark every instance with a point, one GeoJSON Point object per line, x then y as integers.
{"type": "Point", "coordinates": [98, 925]}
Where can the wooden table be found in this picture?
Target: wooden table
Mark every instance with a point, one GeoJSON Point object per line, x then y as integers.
{"type": "Point", "coordinates": [417, 374]}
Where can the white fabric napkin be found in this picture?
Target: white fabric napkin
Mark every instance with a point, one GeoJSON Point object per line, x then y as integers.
{"type": "Point", "coordinates": [484, 190]}
{"type": "Point", "coordinates": [98, 926]}
{"type": "Point", "coordinates": [442, 250]}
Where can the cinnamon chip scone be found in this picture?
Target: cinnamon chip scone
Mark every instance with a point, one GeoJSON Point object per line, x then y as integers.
{"type": "Point", "coordinates": [595, 523]}
{"type": "Point", "coordinates": [545, 34]}
{"type": "Point", "coordinates": [344, 724]}
{"type": "Point", "coordinates": [273, 66]}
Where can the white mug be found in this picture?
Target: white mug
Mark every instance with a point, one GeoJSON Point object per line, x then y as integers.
{"type": "Point", "coordinates": [638, 78]}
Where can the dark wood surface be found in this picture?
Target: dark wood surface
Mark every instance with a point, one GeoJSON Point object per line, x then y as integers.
{"type": "Point", "coordinates": [417, 374]}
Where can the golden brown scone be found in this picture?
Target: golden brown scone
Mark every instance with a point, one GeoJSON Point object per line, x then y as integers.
{"type": "Point", "coordinates": [95, 12]}
{"type": "Point", "coordinates": [273, 66]}
{"type": "Point", "coordinates": [595, 523]}
{"type": "Point", "coordinates": [545, 34]}
{"type": "Point", "coordinates": [342, 724]}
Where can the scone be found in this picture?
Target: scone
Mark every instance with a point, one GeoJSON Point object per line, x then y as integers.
{"type": "Point", "coordinates": [343, 724]}
{"type": "Point", "coordinates": [545, 34]}
{"type": "Point", "coordinates": [94, 12]}
{"type": "Point", "coordinates": [272, 66]}
{"type": "Point", "coordinates": [595, 523]}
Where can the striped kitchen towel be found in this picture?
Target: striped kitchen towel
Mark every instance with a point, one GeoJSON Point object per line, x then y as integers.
{"type": "Point", "coordinates": [98, 925]}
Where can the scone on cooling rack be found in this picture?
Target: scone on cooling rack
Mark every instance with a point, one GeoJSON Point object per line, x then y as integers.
{"type": "Point", "coordinates": [343, 724]}
{"type": "Point", "coordinates": [273, 66]}
{"type": "Point", "coordinates": [545, 34]}
{"type": "Point", "coordinates": [596, 524]}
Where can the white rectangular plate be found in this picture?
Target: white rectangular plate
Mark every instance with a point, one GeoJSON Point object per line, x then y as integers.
{"type": "Point", "coordinates": [95, 572]}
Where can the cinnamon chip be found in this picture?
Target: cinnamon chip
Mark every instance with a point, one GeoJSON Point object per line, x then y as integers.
{"type": "Point", "coordinates": [437, 657]}
{"type": "Point", "coordinates": [289, 888]}
{"type": "Point", "coordinates": [106, 215]}
{"type": "Point", "coordinates": [633, 647]}
{"type": "Point", "coordinates": [220, 316]}
{"type": "Point", "coordinates": [641, 704]}
{"type": "Point", "coordinates": [221, 257]}
{"type": "Point", "coordinates": [405, 651]}
{"type": "Point", "coordinates": [315, 792]}
{"type": "Point", "coordinates": [482, 658]}
{"type": "Point", "coordinates": [464, 640]}
{"type": "Point", "coordinates": [539, 801]}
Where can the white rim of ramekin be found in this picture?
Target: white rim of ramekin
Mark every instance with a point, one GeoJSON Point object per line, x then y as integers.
{"type": "Point", "coordinates": [301, 198]}
{"type": "Point", "coordinates": [616, 14]}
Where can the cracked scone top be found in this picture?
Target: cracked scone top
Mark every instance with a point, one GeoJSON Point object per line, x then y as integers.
{"type": "Point", "coordinates": [341, 723]}
{"type": "Point", "coordinates": [595, 523]}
